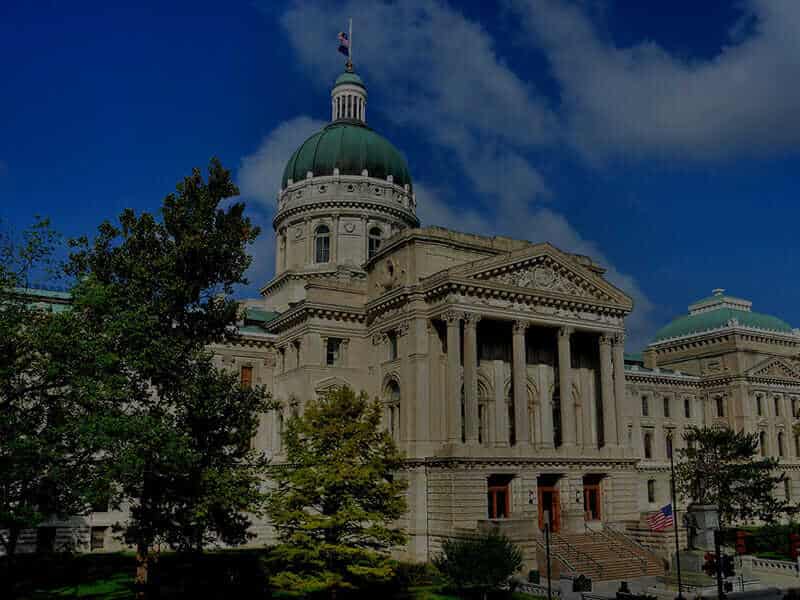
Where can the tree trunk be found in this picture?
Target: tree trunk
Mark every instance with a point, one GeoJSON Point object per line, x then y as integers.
{"type": "Point", "coordinates": [142, 564]}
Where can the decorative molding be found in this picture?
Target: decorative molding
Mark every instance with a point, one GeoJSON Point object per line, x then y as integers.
{"type": "Point", "coordinates": [520, 326]}
{"type": "Point", "coordinates": [452, 317]}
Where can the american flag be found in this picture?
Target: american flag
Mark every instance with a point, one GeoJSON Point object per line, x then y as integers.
{"type": "Point", "coordinates": [344, 44]}
{"type": "Point", "coordinates": [662, 519]}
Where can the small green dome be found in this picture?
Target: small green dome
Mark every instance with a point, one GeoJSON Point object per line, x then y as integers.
{"type": "Point", "coordinates": [351, 147]}
{"type": "Point", "coordinates": [715, 319]}
{"type": "Point", "coordinates": [350, 78]}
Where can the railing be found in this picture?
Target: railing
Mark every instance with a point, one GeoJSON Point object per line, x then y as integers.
{"type": "Point", "coordinates": [536, 589]}
{"type": "Point", "coordinates": [615, 543]}
{"type": "Point", "coordinates": [774, 566]}
{"type": "Point", "coordinates": [614, 528]}
{"type": "Point", "coordinates": [578, 553]}
{"type": "Point", "coordinates": [562, 559]}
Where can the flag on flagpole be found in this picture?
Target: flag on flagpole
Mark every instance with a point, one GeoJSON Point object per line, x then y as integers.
{"type": "Point", "coordinates": [344, 44]}
{"type": "Point", "coordinates": [662, 519]}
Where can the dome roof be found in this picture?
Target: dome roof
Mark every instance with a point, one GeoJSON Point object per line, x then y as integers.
{"type": "Point", "coordinates": [349, 77]}
{"type": "Point", "coordinates": [716, 312]}
{"type": "Point", "coordinates": [351, 147]}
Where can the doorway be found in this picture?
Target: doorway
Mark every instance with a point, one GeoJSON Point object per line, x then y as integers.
{"type": "Point", "coordinates": [592, 498]}
{"type": "Point", "coordinates": [549, 501]}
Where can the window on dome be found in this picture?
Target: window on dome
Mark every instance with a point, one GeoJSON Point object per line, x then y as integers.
{"type": "Point", "coordinates": [322, 244]}
{"type": "Point", "coordinates": [374, 241]}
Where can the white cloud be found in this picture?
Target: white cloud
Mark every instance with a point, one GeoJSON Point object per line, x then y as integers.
{"type": "Point", "coordinates": [436, 72]}
{"type": "Point", "coordinates": [260, 173]}
{"type": "Point", "coordinates": [641, 101]}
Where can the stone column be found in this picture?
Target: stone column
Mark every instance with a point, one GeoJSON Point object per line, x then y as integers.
{"type": "Point", "coordinates": [607, 393]}
{"type": "Point", "coordinates": [453, 320]}
{"type": "Point", "coordinates": [568, 420]}
{"type": "Point", "coordinates": [618, 352]}
{"type": "Point", "coordinates": [471, 376]}
{"type": "Point", "coordinates": [520, 384]}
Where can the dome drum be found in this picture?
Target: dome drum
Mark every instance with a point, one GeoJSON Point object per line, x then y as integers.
{"type": "Point", "coordinates": [339, 191]}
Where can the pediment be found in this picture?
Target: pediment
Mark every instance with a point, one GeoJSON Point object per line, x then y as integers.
{"type": "Point", "coordinates": [330, 383]}
{"type": "Point", "coordinates": [776, 368]}
{"type": "Point", "coordinates": [544, 268]}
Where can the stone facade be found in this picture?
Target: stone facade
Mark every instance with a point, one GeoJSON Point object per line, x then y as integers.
{"type": "Point", "coordinates": [500, 363]}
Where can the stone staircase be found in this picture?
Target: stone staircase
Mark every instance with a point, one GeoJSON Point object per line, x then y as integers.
{"type": "Point", "coordinates": [604, 555]}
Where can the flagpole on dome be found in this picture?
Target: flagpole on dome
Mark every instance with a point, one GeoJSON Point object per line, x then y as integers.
{"type": "Point", "coordinates": [350, 47]}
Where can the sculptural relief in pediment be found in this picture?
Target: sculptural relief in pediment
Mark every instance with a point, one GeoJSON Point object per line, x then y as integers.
{"type": "Point", "coordinates": [547, 276]}
{"type": "Point", "coordinates": [776, 369]}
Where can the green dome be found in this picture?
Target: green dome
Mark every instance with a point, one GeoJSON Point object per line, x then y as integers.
{"type": "Point", "coordinates": [714, 319]}
{"type": "Point", "coordinates": [351, 78]}
{"type": "Point", "coordinates": [351, 147]}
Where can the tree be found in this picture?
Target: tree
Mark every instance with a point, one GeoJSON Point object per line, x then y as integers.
{"type": "Point", "coordinates": [479, 564]}
{"type": "Point", "coordinates": [337, 497]}
{"type": "Point", "coordinates": [721, 466]}
{"type": "Point", "coordinates": [46, 468]}
{"type": "Point", "coordinates": [175, 430]}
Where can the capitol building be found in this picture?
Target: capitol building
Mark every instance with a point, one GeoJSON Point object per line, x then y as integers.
{"type": "Point", "coordinates": [500, 363]}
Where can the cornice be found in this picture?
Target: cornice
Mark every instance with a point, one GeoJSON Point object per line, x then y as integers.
{"type": "Point", "coordinates": [724, 333]}
{"type": "Point", "coordinates": [547, 462]}
{"type": "Point", "coordinates": [328, 206]}
{"type": "Point", "coordinates": [335, 273]}
{"type": "Point", "coordinates": [306, 310]}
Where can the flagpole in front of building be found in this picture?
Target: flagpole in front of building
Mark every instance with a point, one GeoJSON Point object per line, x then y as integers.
{"type": "Point", "coordinates": [675, 514]}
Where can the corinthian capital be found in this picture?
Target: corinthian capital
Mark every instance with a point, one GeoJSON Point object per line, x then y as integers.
{"type": "Point", "coordinates": [471, 319]}
{"type": "Point", "coordinates": [452, 317]}
{"type": "Point", "coordinates": [606, 339]}
{"type": "Point", "coordinates": [565, 332]}
{"type": "Point", "coordinates": [520, 326]}
{"type": "Point", "coordinates": [619, 339]}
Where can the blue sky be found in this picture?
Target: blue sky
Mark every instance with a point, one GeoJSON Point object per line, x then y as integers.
{"type": "Point", "coordinates": [661, 141]}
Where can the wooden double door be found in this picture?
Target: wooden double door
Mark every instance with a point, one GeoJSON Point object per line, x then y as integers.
{"type": "Point", "coordinates": [549, 507]}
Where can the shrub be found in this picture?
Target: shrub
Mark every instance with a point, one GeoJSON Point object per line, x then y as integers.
{"type": "Point", "coordinates": [479, 564]}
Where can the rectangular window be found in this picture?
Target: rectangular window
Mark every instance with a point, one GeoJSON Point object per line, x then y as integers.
{"type": "Point", "coordinates": [651, 490]}
{"type": "Point", "coordinates": [392, 339]}
{"type": "Point", "coordinates": [669, 446]}
{"type": "Point", "coordinates": [648, 445]}
{"type": "Point", "coordinates": [246, 377]}
{"type": "Point", "coordinates": [332, 351]}
{"type": "Point", "coordinates": [499, 496]}
{"type": "Point", "coordinates": [759, 407]}
{"type": "Point", "coordinates": [787, 489]}
{"type": "Point", "coordinates": [666, 407]}
{"type": "Point", "coordinates": [98, 538]}
{"type": "Point", "coordinates": [720, 402]}
{"type": "Point", "coordinates": [777, 406]}
{"type": "Point", "coordinates": [645, 407]}
{"type": "Point", "coordinates": [687, 408]}
{"type": "Point", "coordinates": [794, 408]}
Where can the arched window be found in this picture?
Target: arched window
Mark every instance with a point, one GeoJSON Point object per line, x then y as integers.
{"type": "Point", "coordinates": [483, 403]}
{"type": "Point", "coordinates": [762, 440]}
{"type": "Point", "coordinates": [720, 406]}
{"type": "Point", "coordinates": [279, 427]}
{"type": "Point", "coordinates": [322, 244]}
{"type": "Point", "coordinates": [463, 416]}
{"type": "Point", "coordinates": [374, 241]}
{"type": "Point", "coordinates": [780, 443]}
{"type": "Point", "coordinates": [393, 409]}
{"type": "Point", "coordinates": [648, 445]}
{"type": "Point", "coordinates": [512, 429]}
{"type": "Point", "coordinates": [777, 406]}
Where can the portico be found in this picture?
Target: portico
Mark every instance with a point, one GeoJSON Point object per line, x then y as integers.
{"type": "Point", "coordinates": [539, 361]}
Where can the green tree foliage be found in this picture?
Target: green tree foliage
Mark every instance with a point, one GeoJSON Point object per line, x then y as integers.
{"type": "Point", "coordinates": [479, 564]}
{"type": "Point", "coordinates": [721, 466]}
{"type": "Point", "coordinates": [336, 499]}
{"type": "Point", "coordinates": [45, 470]}
{"type": "Point", "coordinates": [176, 430]}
